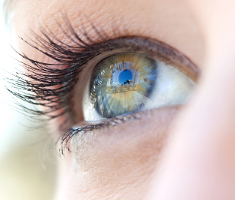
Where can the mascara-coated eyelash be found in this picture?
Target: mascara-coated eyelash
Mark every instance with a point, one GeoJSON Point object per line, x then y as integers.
{"type": "Point", "coordinates": [51, 85]}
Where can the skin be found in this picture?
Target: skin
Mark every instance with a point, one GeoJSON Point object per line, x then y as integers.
{"type": "Point", "coordinates": [138, 159]}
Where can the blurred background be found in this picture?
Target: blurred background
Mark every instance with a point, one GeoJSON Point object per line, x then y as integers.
{"type": "Point", "coordinates": [27, 166]}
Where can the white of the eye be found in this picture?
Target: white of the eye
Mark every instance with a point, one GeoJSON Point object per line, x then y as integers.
{"type": "Point", "coordinates": [172, 87]}
{"type": "Point", "coordinates": [89, 112]}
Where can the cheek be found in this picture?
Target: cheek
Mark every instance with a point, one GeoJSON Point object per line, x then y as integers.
{"type": "Point", "coordinates": [118, 162]}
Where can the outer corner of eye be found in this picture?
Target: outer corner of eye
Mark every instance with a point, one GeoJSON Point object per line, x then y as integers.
{"type": "Point", "coordinates": [125, 83]}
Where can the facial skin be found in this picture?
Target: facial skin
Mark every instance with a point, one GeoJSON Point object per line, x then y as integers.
{"type": "Point", "coordinates": [138, 159]}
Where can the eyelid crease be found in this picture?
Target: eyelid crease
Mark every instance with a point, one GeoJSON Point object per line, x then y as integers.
{"type": "Point", "coordinates": [50, 85]}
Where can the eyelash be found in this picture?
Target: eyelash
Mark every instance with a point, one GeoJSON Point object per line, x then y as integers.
{"type": "Point", "coordinates": [33, 86]}
{"type": "Point", "coordinates": [48, 86]}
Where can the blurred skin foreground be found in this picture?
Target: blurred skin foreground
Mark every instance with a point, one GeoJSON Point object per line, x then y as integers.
{"type": "Point", "coordinates": [124, 162]}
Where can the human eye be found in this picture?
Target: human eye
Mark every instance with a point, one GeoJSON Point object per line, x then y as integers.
{"type": "Point", "coordinates": [126, 83]}
{"type": "Point", "coordinates": [76, 87]}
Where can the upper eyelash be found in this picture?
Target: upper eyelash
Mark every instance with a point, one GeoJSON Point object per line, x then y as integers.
{"type": "Point", "coordinates": [34, 85]}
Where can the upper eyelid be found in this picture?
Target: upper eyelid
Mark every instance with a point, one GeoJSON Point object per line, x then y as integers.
{"type": "Point", "coordinates": [54, 45]}
{"type": "Point", "coordinates": [147, 46]}
{"type": "Point", "coordinates": [152, 48]}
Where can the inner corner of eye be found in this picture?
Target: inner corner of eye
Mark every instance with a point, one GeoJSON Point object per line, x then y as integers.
{"type": "Point", "coordinates": [126, 83]}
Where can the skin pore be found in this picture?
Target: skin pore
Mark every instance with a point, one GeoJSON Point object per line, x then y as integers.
{"type": "Point", "coordinates": [127, 161]}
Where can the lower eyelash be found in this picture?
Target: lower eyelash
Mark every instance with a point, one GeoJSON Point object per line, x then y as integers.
{"type": "Point", "coordinates": [67, 137]}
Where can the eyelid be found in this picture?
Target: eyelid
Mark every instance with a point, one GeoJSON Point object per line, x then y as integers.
{"type": "Point", "coordinates": [152, 48]}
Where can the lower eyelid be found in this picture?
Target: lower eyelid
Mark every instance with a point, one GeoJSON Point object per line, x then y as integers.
{"type": "Point", "coordinates": [130, 127]}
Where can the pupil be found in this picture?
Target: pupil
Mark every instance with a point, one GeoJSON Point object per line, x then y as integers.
{"type": "Point", "coordinates": [125, 77]}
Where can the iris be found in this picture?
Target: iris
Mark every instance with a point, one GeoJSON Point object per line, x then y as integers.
{"type": "Point", "coordinates": [122, 84]}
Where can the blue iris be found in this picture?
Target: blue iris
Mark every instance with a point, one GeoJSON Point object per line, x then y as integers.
{"type": "Point", "coordinates": [122, 84]}
{"type": "Point", "coordinates": [125, 77]}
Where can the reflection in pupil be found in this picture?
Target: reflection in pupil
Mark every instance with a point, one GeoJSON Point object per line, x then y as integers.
{"type": "Point", "coordinates": [125, 77]}
{"type": "Point", "coordinates": [122, 84]}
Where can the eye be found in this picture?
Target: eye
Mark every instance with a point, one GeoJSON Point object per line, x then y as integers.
{"type": "Point", "coordinates": [125, 83]}
{"type": "Point", "coordinates": [127, 74]}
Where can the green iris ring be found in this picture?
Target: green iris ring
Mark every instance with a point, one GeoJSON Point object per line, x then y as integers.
{"type": "Point", "coordinates": [122, 84]}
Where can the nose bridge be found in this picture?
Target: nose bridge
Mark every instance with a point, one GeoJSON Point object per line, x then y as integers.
{"type": "Point", "coordinates": [199, 161]}
{"type": "Point", "coordinates": [206, 133]}
{"type": "Point", "coordinates": [211, 113]}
